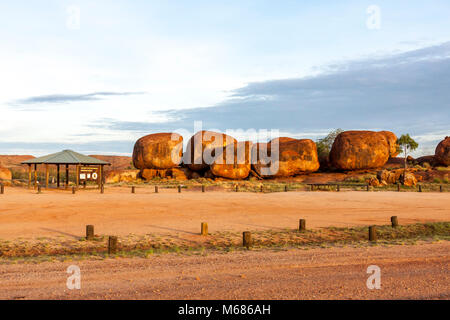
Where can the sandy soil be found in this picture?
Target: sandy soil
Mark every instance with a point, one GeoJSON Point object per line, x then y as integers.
{"type": "Point", "coordinates": [23, 213]}
{"type": "Point", "coordinates": [407, 272]}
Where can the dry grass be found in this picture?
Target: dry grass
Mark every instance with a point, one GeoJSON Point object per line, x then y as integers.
{"type": "Point", "coordinates": [62, 248]}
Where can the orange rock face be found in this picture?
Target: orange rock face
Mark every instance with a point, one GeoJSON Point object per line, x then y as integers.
{"type": "Point", "coordinates": [235, 166]}
{"type": "Point", "coordinates": [5, 174]}
{"type": "Point", "coordinates": [149, 174]}
{"type": "Point", "coordinates": [158, 151]}
{"type": "Point", "coordinates": [294, 157]}
{"type": "Point", "coordinates": [203, 147]}
{"type": "Point", "coordinates": [355, 150]}
{"type": "Point", "coordinates": [442, 153]}
{"type": "Point", "coordinates": [121, 176]}
{"type": "Point", "coordinates": [392, 142]}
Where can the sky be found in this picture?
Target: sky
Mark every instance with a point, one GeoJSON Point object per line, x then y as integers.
{"type": "Point", "coordinates": [94, 76]}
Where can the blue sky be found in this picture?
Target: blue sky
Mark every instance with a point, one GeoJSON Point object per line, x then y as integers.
{"type": "Point", "coordinates": [97, 81]}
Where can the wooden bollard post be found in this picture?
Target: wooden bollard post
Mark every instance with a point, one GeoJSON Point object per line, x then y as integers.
{"type": "Point", "coordinates": [156, 189]}
{"type": "Point", "coordinates": [73, 190]}
{"type": "Point", "coordinates": [285, 188]}
{"type": "Point", "coordinates": [398, 187]}
{"type": "Point", "coordinates": [247, 239]}
{"type": "Point", "coordinates": [262, 188]}
{"type": "Point", "coordinates": [203, 189]}
{"type": "Point", "coordinates": [440, 189]}
{"type": "Point", "coordinates": [39, 189]}
{"type": "Point", "coordinates": [237, 188]}
{"type": "Point", "coordinates": [311, 187]}
{"type": "Point", "coordinates": [302, 225]}
{"type": "Point", "coordinates": [102, 189]}
{"type": "Point", "coordinates": [84, 185]}
{"type": "Point", "coordinates": [179, 189]}
{"type": "Point", "coordinates": [372, 233]}
{"type": "Point", "coordinates": [89, 232]}
{"type": "Point", "coordinates": [2, 189]}
{"type": "Point", "coordinates": [394, 221]}
{"type": "Point", "coordinates": [204, 230]}
{"type": "Point", "coordinates": [112, 245]}
{"type": "Point", "coordinates": [133, 189]}
{"type": "Point", "coordinates": [338, 188]}
{"type": "Point", "coordinates": [420, 188]}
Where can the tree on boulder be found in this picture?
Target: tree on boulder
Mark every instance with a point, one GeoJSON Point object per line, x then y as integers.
{"type": "Point", "coordinates": [406, 144]}
{"type": "Point", "coordinates": [324, 145]}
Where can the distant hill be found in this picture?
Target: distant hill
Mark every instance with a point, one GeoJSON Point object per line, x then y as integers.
{"type": "Point", "coordinates": [117, 162]}
{"type": "Point", "coordinates": [12, 162]}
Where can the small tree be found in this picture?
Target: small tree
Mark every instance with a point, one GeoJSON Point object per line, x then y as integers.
{"type": "Point", "coordinates": [324, 145]}
{"type": "Point", "coordinates": [406, 144]}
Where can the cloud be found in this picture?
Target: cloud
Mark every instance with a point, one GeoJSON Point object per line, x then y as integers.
{"type": "Point", "coordinates": [66, 98]}
{"type": "Point", "coordinates": [406, 92]}
{"type": "Point", "coordinates": [119, 147]}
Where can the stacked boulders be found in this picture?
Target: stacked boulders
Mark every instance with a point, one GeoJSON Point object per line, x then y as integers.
{"type": "Point", "coordinates": [233, 162]}
{"type": "Point", "coordinates": [203, 148]}
{"type": "Point", "coordinates": [356, 150]}
{"type": "Point", "coordinates": [407, 178]}
{"type": "Point", "coordinates": [442, 153]}
{"type": "Point", "coordinates": [117, 176]}
{"type": "Point", "coordinates": [211, 154]}
{"type": "Point", "coordinates": [154, 154]}
{"type": "Point", "coordinates": [285, 157]}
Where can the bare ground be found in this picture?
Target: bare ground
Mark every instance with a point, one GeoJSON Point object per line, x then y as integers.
{"type": "Point", "coordinates": [407, 272]}
{"type": "Point", "coordinates": [25, 214]}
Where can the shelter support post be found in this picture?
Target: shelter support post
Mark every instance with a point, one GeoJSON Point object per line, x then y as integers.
{"type": "Point", "coordinates": [35, 175]}
{"type": "Point", "coordinates": [67, 176]}
{"type": "Point", "coordinates": [57, 176]}
{"type": "Point", "coordinates": [46, 176]}
{"type": "Point", "coordinates": [29, 176]}
{"type": "Point", "coordinates": [100, 176]}
{"type": "Point", "coordinates": [78, 176]}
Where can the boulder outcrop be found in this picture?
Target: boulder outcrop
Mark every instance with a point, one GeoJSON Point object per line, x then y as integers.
{"type": "Point", "coordinates": [121, 176]}
{"type": "Point", "coordinates": [158, 151]}
{"type": "Point", "coordinates": [294, 157]}
{"type": "Point", "coordinates": [355, 150]}
{"type": "Point", "coordinates": [442, 153]}
{"type": "Point", "coordinates": [392, 142]}
{"type": "Point", "coordinates": [202, 148]}
{"type": "Point", "coordinates": [236, 165]}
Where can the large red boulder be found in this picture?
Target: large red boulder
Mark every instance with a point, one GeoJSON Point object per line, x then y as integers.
{"type": "Point", "coordinates": [392, 142]}
{"type": "Point", "coordinates": [355, 150]}
{"type": "Point", "coordinates": [442, 153]}
{"type": "Point", "coordinates": [294, 157]}
{"type": "Point", "coordinates": [158, 151]}
{"type": "Point", "coordinates": [236, 165]}
{"type": "Point", "coordinates": [203, 147]}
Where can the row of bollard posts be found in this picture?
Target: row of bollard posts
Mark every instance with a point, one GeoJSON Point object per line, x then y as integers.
{"type": "Point", "coordinates": [112, 240]}
{"type": "Point", "coordinates": [246, 236]}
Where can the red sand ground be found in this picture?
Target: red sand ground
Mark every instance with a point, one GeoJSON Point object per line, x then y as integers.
{"type": "Point", "coordinates": [24, 213]}
{"type": "Point", "coordinates": [407, 272]}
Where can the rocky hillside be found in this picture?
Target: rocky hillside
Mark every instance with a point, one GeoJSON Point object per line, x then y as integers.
{"type": "Point", "coordinates": [12, 162]}
{"type": "Point", "coordinates": [118, 163]}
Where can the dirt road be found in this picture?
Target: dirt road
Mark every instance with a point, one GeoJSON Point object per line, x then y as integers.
{"type": "Point", "coordinates": [25, 214]}
{"type": "Point", "coordinates": [407, 272]}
